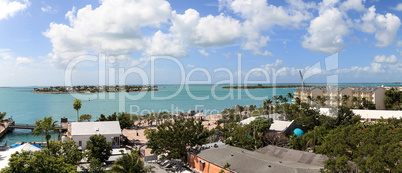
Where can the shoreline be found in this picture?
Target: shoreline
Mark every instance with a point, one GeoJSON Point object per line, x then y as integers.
{"type": "Point", "coordinates": [86, 92]}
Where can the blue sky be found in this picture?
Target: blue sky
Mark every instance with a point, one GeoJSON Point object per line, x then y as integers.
{"type": "Point", "coordinates": [38, 40]}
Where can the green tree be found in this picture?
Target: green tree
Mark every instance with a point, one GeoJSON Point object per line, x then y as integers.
{"type": "Point", "coordinates": [345, 99]}
{"type": "Point", "coordinates": [372, 147]}
{"type": "Point", "coordinates": [61, 157]}
{"type": "Point", "coordinates": [68, 150]}
{"type": "Point", "coordinates": [95, 166]}
{"type": "Point", "coordinates": [2, 115]}
{"type": "Point", "coordinates": [242, 136]}
{"type": "Point", "coordinates": [266, 104]}
{"type": "Point", "coordinates": [85, 118]}
{"type": "Point", "coordinates": [98, 148]}
{"type": "Point", "coordinates": [77, 106]}
{"type": "Point", "coordinates": [175, 138]}
{"type": "Point", "coordinates": [393, 99]}
{"type": "Point", "coordinates": [344, 116]}
{"type": "Point", "coordinates": [130, 163]}
{"type": "Point", "coordinates": [227, 165]}
{"type": "Point", "coordinates": [45, 126]}
{"type": "Point", "coordinates": [289, 96]}
{"type": "Point", "coordinates": [125, 119]}
{"type": "Point", "coordinates": [260, 124]}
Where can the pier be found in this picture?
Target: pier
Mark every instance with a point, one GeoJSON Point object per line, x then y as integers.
{"type": "Point", "coordinates": [32, 126]}
{"type": "Point", "coordinates": [9, 126]}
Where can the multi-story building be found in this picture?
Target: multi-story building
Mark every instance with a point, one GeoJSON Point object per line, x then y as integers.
{"type": "Point", "coordinates": [375, 95]}
{"type": "Point", "coordinates": [338, 96]}
{"type": "Point", "coordinates": [307, 94]}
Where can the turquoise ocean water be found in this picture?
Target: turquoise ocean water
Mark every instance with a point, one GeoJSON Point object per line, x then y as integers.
{"type": "Point", "coordinates": [26, 107]}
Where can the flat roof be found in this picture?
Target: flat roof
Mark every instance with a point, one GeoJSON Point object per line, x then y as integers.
{"type": "Point", "coordinates": [369, 114]}
{"type": "Point", "coordinates": [280, 126]}
{"type": "Point", "coordinates": [92, 128]}
{"type": "Point", "coordinates": [242, 160]}
{"type": "Point", "coordinates": [294, 155]}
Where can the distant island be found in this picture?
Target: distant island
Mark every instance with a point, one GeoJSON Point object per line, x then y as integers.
{"type": "Point", "coordinates": [94, 89]}
{"type": "Point", "coordinates": [261, 86]}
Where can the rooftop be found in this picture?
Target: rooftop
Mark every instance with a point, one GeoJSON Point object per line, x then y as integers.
{"type": "Point", "coordinates": [294, 155]}
{"type": "Point", "coordinates": [242, 160]}
{"type": "Point", "coordinates": [91, 128]}
{"type": "Point", "coordinates": [280, 126]}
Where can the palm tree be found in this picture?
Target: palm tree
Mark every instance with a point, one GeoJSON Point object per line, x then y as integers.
{"type": "Point", "coordinates": [2, 115]}
{"type": "Point", "coordinates": [45, 126]}
{"type": "Point", "coordinates": [297, 101]}
{"type": "Point", "coordinates": [266, 104]}
{"type": "Point", "coordinates": [280, 98]}
{"type": "Point", "coordinates": [310, 99]}
{"type": "Point", "coordinates": [354, 102]}
{"type": "Point", "coordinates": [131, 163]}
{"type": "Point", "coordinates": [77, 106]}
{"type": "Point", "coordinates": [318, 100]}
{"type": "Point", "coordinates": [285, 100]}
{"type": "Point", "coordinates": [275, 99]}
{"type": "Point", "coordinates": [290, 96]}
{"type": "Point", "coordinates": [345, 99]}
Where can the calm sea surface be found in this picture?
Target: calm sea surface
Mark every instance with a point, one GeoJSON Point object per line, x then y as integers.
{"type": "Point", "coordinates": [26, 107]}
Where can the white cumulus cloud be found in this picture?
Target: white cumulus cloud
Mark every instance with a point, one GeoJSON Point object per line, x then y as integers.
{"type": "Point", "coordinates": [385, 26]}
{"type": "Point", "coordinates": [398, 7]}
{"type": "Point", "coordinates": [22, 60]}
{"type": "Point", "coordinates": [384, 59]}
{"type": "Point", "coordinates": [105, 29]}
{"type": "Point", "coordinates": [326, 31]}
{"type": "Point", "coordinates": [9, 8]}
{"type": "Point", "coordinates": [203, 52]}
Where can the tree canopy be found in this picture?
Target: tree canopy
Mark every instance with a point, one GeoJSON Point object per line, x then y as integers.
{"type": "Point", "coordinates": [368, 147]}
{"type": "Point", "coordinates": [60, 157]}
{"type": "Point", "coordinates": [124, 119]}
{"type": "Point", "coordinates": [175, 137]}
{"type": "Point", "coordinates": [45, 126]}
{"type": "Point", "coordinates": [85, 118]}
{"type": "Point", "coordinates": [130, 163]}
{"type": "Point", "coordinates": [393, 99]}
{"type": "Point", "coordinates": [98, 148]}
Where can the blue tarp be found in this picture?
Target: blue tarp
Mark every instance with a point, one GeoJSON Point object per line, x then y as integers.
{"type": "Point", "coordinates": [15, 145]}
{"type": "Point", "coordinates": [36, 145]}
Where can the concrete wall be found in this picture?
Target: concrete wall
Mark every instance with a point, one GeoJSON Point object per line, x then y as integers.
{"type": "Point", "coordinates": [206, 167]}
{"type": "Point", "coordinates": [379, 97]}
{"type": "Point", "coordinates": [348, 92]}
{"type": "Point", "coordinates": [370, 115]}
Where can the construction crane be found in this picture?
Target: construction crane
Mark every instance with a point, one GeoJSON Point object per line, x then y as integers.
{"type": "Point", "coordinates": [301, 75]}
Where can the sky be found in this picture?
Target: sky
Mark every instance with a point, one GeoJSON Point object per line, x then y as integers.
{"type": "Point", "coordinates": [110, 42]}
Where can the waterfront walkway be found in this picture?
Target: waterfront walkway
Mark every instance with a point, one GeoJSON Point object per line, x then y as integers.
{"type": "Point", "coordinates": [32, 126]}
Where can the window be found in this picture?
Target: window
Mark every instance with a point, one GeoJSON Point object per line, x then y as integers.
{"type": "Point", "coordinates": [80, 143]}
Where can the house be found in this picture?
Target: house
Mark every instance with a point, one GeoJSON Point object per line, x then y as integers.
{"type": "Point", "coordinates": [81, 131]}
{"type": "Point", "coordinates": [213, 159]}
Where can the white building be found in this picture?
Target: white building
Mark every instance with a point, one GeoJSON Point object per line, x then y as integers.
{"type": "Point", "coordinates": [369, 115]}
{"type": "Point", "coordinates": [81, 131]}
